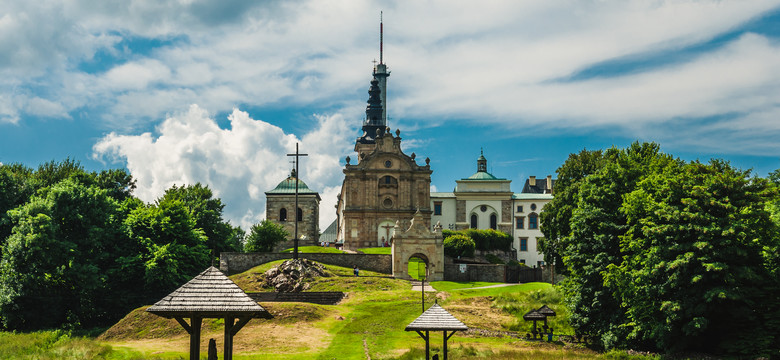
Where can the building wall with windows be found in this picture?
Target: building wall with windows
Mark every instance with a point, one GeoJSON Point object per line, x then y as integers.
{"type": "Point", "coordinates": [483, 201]}
{"type": "Point", "coordinates": [280, 208]}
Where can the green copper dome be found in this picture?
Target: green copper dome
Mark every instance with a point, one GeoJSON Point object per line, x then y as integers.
{"type": "Point", "coordinates": [482, 175]}
{"type": "Point", "coordinates": [287, 186]}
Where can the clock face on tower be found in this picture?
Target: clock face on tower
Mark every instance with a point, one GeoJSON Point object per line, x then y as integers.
{"type": "Point", "coordinates": [388, 163]}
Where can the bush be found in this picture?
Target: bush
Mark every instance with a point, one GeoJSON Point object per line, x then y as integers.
{"type": "Point", "coordinates": [264, 236]}
{"type": "Point", "coordinates": [484, 240]}
{"type": "Point", "coordinates": [459, 245]}
{"type": "Point", "coordinates": [494, 259]}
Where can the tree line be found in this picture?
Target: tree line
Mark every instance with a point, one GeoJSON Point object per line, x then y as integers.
{"type": "Point", "coordinates": [666, 255]}
{"type": "Point", "coordinates": [77, 249]}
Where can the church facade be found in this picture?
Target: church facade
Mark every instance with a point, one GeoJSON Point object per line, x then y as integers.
{"type": "Point", "coordinates": [384, 186]}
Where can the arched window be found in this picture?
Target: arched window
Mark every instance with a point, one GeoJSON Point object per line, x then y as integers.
{"type": "Point", "coordinates": [473, 221]}
{"type": "Point", "coordinates": [283, 214]}
{"type": "Point", "coordinates": [493, 221]}
{"type": "Point", "coordinates": [300, 214]}
{"type": "Point", "coordinates": [533, 221]}
{"type": "Point", "coordinates": [388, 181]}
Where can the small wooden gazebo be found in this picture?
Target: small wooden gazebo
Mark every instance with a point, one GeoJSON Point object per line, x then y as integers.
{"type": "Point", "coordinates": [546, 311]}
{"type": "Point", "coordinates": [211, 294]}
{"type": "Point", "coordinates": [436, 319]}
{"type": "Point", "coordinates": [534, 315]}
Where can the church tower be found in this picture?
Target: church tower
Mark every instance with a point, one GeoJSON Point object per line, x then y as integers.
{"type": "Point", "coordinates": [384, 186]}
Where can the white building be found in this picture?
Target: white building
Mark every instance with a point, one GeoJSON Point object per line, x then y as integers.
{"type": "Point", "coordinates": [483, 201]}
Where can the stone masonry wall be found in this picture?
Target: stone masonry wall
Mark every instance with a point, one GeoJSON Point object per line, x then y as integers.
{"type": "Point", "coordinates": [506, 211]}
{"type": "Point", "coordinates": [475, 272]}
{"type": "Point", "coordinates": [232, 263]}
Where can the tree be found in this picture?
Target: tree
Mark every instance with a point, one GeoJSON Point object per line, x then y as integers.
{"type": "Point", "coordinates": [16, 187]}
{"type": "Point", "coordinates": [166, 248]}
{"type": "Point", "coordinates": [52, 265]}
{"type": "Point", "coordinates": [556, 217]}
{"type": "Point", "coordinates": [264, 236]}
{"type": "Point", "coordinates": [597, 226]}
{"type": "Point", "coordinates": [207, 213]}
{"type": "Point", "coordinates": [693, 271]}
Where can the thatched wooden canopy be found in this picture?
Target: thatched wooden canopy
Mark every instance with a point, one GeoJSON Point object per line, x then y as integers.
{"type": "Point", "coordinates": [534, 315]}
{"type": "Point", "coordinates": [209, 295]}
{"type": "Point", "coordinates": [436, 319]}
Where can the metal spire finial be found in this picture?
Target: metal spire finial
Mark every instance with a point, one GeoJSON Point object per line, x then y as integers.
{"type": "Point", "coordinates": [381, 36]}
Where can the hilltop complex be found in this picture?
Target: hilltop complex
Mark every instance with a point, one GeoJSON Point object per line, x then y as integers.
{"type": "Point", "coordinates": [383, 186]}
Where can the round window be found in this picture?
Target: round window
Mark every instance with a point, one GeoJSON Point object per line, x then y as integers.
{"type": "Point", "coordinates": [388, 163]}
{"type": "Point", "coordinates": [483, 208]}
{"type": "Point", "coordinates": [533, 206]}
{"type": "Point", "coordinates": [387, 202]}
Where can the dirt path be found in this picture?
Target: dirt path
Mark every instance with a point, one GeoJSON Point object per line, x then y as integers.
{"type": "Point", "coordinates": [416, 286]}
{"type": "Point", "coordinates": [487, 287]}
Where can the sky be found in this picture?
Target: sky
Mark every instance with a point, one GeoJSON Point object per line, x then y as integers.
{"type": "Point", "coordinates": [218, 92]}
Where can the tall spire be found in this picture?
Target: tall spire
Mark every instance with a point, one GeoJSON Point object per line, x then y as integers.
{"type": "Point", "coordinates": [381, 36]}
{"type": "Point", "coordinates": [380, 70]}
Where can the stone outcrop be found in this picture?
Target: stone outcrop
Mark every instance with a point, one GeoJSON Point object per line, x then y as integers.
{"type": "Point", "coordinates": [294, 275]}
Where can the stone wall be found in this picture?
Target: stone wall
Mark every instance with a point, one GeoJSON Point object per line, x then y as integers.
{"type": "Point", "coordinates": [321, 297]}
{"type": "Point", "coordinates": [475, 272]}
{"type": "Point", "coordinates": [309, 224]}
{"type": "Point", "coordinates": [506, 256]}
{"type": "Point", "coordinates": [232, 262]}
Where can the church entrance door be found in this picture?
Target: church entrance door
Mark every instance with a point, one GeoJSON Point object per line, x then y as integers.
{"type": "Point", "coordinates": [418, 267]}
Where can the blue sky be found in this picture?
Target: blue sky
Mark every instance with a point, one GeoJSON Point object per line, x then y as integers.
{"type": "Point", "coordinates": [218, 92]}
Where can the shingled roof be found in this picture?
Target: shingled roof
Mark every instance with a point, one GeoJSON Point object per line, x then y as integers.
{"type": "Point", "coordinates": [211, 294]}
{"type": "Point", "coordinates": [436, 319]}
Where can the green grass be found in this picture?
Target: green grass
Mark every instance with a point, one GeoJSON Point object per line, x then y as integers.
{"type": "Point", "coordinates": [58, 344]}
{"type": "Point", "coordinates": [376, 250]}
{"type": "Point", "coordinates": [453, 285]}
{"type": "Point", "coordinates": [315, 249]}
{"type": "Point", "coordinates": [370, 321]}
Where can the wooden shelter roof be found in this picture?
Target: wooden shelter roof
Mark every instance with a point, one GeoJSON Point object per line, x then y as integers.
{"type": "Point", "coordinates": [436, 319]}
{"type": "Point", "coordinates": [534, 315]}
{"type": "Point", "coordinates": [546, 311]}
{"type": "Point", "coordinates": [211, 294]}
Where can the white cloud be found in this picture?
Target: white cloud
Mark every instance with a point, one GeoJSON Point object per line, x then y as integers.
{"type": "Point", "coordinates": [501, 62]}
{"type": "Point", "coordinates": [239, 164]}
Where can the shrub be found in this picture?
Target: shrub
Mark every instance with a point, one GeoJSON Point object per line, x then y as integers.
{"type": "Point", "coordinates": [264, 236]}
{"type": "Point", "coordinates": [489, 239]}
{"type": "Point", "coordinates": [494, 259]}
{"type": "Point", "coordinates": [459, 245]}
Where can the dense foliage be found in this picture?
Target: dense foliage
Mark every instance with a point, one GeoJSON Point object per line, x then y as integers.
{"type": "Point", "coordinates": [264, 236]}
{"type": "Point", "coordinates": [666, 255]}
{"type": "Point", "coordinates": [78, 249]}
{"type": "Point", "coordinates": [459, 245]}
{"type": "Point", "coordinates": [484, 240]}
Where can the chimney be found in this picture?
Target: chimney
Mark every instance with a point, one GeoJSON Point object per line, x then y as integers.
{"type": "Point", "coordinates": [549, 184]}
{"type": "Point", "coordinates": [532, 180]}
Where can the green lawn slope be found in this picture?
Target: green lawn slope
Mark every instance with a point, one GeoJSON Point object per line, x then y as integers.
{"type": "Point", "coordinates": [369, 322]}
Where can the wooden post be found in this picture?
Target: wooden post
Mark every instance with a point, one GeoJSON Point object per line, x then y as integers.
{"type": "Point", "coordinates": [195, 324]}
{"type": "Point", "coordinates": [444, 336]}
{"type": "Point", "coordinates": [228, 352]}
{"type": "Point", "coordinates": [427, 346]}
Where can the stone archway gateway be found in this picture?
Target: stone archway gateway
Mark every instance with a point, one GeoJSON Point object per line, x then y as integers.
{"type": "Point", "coordinates": [418, 241]}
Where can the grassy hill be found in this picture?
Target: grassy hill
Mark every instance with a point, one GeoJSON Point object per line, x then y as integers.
{"type": "Point", "coordinates": [368, 323]}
